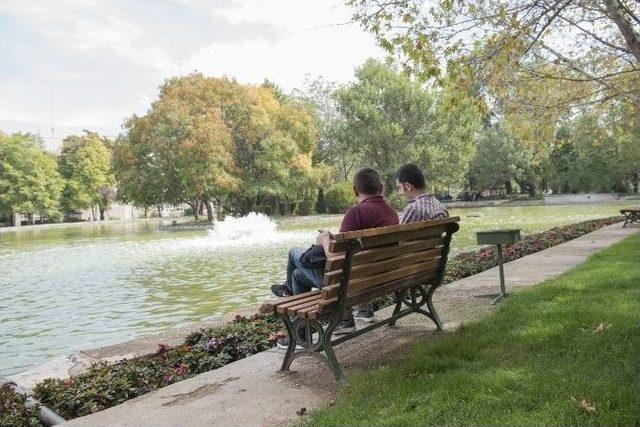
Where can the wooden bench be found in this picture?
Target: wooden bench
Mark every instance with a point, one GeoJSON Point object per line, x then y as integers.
{"type": "Point", "coordinates": [631, 215]}
{"type": "Point", "coordinates": [406, 261]}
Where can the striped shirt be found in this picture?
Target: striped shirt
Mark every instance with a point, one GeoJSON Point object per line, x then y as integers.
{"type": "Point", "coordinates": [423, 208]}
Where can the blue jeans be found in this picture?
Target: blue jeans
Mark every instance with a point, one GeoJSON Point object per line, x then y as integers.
{"type": "Point", "coordinates": [300, 279]}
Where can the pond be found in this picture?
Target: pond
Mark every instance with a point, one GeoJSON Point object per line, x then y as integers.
{"type": "Point", "coordinates": [72, 287]}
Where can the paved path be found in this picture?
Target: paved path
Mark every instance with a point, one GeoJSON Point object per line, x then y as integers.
{"type": "Point", "coordinates": [251, 392]}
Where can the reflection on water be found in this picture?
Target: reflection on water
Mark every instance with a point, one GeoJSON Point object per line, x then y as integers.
{"type": "Point", "coordinates": [72, 287]}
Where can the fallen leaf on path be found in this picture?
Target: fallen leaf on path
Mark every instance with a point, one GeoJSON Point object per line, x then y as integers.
{"type": "Point", "coordinates": [584, 404]}
{"type": "Point", "coordinates": [599, 329]}
{"type": "Point", "coordinates": [301, 411]}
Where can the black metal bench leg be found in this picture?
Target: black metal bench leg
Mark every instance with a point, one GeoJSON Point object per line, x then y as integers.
{"type": "Point", "coordinates": [288, 357]}
{"type": "Point", "coordinates": [331, 359]}
{"type": "Point", "coordinates": [396, 310]}
{"type": "Point", "coordinates": [432, 310]}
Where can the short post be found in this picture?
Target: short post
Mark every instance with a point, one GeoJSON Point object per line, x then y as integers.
{"type": "Point", "coordinates": [499, 238]}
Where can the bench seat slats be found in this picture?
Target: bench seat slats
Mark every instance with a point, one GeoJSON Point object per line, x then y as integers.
{"type": "Point", "coordinates": [269, 307]}
{"type": "Point", "coordinates": [294, 308]}
{"type": "Point", "coordinates": [294, 305]}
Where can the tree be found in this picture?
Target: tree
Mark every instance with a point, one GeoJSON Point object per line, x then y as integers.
{"type": "Point", "coordinates": [499, 160]}
{"type": "Point", "coordinates": [595, 153]}
{"type": "Point", "coordinates": [592, 48]}
{"type": "Point", "coordinates": [85, 164]}
{"type": "Point", "coordinates": [29, 180]}
{"type": "Point", "coordinates": [210, 140]}
{"type": "Point", "coordinates": [391, 120]}
{"type": "Point", "coordinates": [335, 142]}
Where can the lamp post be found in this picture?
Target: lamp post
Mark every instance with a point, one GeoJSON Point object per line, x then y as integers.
{"type": "Point", "coordinates": [499, 238]}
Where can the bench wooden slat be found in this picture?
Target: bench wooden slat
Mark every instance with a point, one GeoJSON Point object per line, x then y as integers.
{"type": "Point", "coordinates": [269, 307]}
{"type": "Point", "coordinates": [370, 269]}
{"type": "Point", "coordinates": [385, 239]}
{"type": "Point", "coordinates": [369, 232]}
{"type": "Point", "coordinates": [376, 254]}
{"type": "Point", "coordinates": [326, 306]}
{"type": "Point", "coordinates": [292, 306]}
{"type": "Point", "coordinates": [358, 285]}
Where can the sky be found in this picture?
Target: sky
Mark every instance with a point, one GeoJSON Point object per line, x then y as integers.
{"type": "Point", "coordinates": [89, 64]}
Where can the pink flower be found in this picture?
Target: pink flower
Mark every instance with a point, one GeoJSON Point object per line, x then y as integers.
{"type": "Point", "coordinates": [167, 378]}
{"type": "Point", "coordinates": [162, 348]}
{"type": "Point", "coordinates": [181, 369]}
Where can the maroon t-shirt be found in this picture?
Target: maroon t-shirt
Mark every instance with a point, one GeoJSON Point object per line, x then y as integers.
{"type": "Point", "coordinates": [370, 213]}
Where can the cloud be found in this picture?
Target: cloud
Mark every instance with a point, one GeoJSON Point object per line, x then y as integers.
{"type": "Point", "coordinates": [91, 63]}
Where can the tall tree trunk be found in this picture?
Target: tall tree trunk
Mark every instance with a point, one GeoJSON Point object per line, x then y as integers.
{"type": "Point", "coordinates": [196, 209]}
{"type": "Point", "coordinates": [207, 205]}
{"type": "Point", "coordinates": [102, 211]}
{"type": "Point", "coordinates": [159, 208]}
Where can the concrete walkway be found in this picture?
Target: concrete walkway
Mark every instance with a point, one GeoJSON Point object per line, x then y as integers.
{"type": "Point", "coordinates": [251, 392]}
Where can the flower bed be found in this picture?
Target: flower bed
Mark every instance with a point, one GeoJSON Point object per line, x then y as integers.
{"type": "Point", "coordinates": [469, 263]}
{"type": "Point", "coordinates": [106, 385]}
{"type": "Point", "coordinates": [14, 412]}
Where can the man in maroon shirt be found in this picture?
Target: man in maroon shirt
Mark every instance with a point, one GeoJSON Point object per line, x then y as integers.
{"type": "Point", "coordinates": [370, 212]}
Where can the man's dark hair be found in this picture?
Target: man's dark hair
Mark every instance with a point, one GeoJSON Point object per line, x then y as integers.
{"type": "Point", "coordinates": [367, 181]}
{"type": "Point", "coordinates": [412, 174]}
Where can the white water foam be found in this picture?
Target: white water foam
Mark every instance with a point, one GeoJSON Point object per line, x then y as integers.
{"type": "Point", "coordinates": [254, 226]}
{"type": "Point", "coordinates": [251, 229]}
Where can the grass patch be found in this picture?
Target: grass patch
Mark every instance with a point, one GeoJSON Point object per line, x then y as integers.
{"type": "Point", "coordinates": [566, 352]}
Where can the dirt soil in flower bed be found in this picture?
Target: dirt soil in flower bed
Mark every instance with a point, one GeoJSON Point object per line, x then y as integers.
{"type": "Point", "coordinates": [106, 385]}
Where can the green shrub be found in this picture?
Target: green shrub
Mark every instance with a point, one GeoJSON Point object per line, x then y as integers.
{"type": "Point", "coordinates": [13, 409]}
{"type": "Point", "coordinates": [339, 197]}
{"type": "Point", "coordinates": [306, 205]}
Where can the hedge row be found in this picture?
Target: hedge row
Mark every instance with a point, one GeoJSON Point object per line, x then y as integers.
{"type": "Point", "coordinates": [106, 385]}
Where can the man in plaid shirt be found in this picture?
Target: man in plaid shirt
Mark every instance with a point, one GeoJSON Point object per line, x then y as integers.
{"type": "Point", "coordinates": [411, 184]}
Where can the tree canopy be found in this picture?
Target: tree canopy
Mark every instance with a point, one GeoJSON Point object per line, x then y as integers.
{"type": "Point", "coordinates": [85, 164]}
{"type": "Point", "coordinates": [29, 180]}
{"type": "Point", "coordinates": [390, 119]}
{"type": "Point", "coordinates": [208, 139]}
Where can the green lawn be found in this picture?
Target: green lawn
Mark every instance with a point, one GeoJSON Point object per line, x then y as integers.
{"type": "Point", "coordinates": [564, 353]}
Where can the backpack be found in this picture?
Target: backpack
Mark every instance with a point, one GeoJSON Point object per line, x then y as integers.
{"type": "Point", "coordinates": [314, 258]}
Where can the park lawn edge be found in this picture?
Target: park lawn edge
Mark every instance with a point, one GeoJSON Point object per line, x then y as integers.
{"type": "Point", "coordinates": [106, 385]}
{"type": "Point", "coordinates": [566, 352]}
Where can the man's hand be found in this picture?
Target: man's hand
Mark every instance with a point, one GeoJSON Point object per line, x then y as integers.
{"type": "Point", "coordinates": [323, 240]}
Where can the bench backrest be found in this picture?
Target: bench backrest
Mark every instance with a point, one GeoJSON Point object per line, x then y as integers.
{"type": "Point", "coordinates": [383, 260]}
